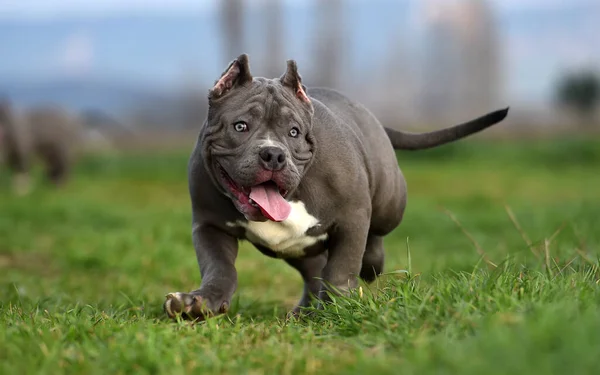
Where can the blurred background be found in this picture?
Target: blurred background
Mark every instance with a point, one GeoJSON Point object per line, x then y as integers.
{"type": "Point", "coordinates": [134, 74]}
{"type": "Point", "coordinates": [140, 70]}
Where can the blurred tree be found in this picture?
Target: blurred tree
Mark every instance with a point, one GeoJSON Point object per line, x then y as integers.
{"type": "Point", "coordinates": [275, 60]}
{"type": "Point", "coordinates": [460, 67]}
{"type": "Point", "coordinates": [328, 42]}
{"type": "Point", "coordinates": [579, 92]}
{"type": "Point", "coordinates": [193, 107]}
{"type": "Point", "coordinates": [232, 24]}
{"type": "Point", "coordinates": [192, 99]}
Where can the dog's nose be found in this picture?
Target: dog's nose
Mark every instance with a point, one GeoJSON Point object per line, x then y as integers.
{"type": "Point", "coordinates": [272, 158]}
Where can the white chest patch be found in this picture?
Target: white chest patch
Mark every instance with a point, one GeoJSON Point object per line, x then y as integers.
{"type": "Point", "coordinates": [287, 238]}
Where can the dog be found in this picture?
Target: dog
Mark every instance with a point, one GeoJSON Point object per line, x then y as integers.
{"type": "Point", "coordinates": [307, 176]}
{"type": "Point", "coordinates": [45, 132]}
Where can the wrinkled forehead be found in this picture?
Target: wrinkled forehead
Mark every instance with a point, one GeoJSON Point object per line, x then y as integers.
{"type": "Point", "coordinates": [263, 98]}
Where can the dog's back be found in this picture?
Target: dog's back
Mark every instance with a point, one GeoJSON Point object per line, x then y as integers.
{"type": "Point", "coordinates": [53, 128]}
{"type": "Point", "coordinates": [360, 127]}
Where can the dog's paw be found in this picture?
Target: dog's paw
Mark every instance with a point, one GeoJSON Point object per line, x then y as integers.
{"type": "Point", "coordinates": [192, 306]}
{"type": "Point", "coordinates": [295, 313]}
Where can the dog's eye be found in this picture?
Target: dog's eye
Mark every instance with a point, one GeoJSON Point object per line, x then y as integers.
{"type": "Point", "coordinates": [294, 132]}
{"type": "Point", "coordinates": [240, 126]}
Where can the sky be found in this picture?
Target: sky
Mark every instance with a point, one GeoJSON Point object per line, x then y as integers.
{"type": "Point", "coordinates": [58, 8]}
{"type": "Point", "coordinates": [542, 36]}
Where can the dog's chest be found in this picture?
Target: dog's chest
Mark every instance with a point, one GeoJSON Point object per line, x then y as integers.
{"type": "Point", "coordinates": [287, 238]}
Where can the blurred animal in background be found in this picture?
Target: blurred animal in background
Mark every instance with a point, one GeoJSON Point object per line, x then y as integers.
{"type": "Point", "coordinates": [45, 133]}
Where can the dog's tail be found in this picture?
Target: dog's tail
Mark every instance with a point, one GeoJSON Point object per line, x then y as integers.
{"type": "Point", "coordinates": [412, 141]}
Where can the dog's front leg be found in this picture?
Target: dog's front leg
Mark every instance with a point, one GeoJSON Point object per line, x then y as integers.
{"type": "Point", "coordinates": [216, 252]}
{"type": "Point", "coordinates": [346, 248]}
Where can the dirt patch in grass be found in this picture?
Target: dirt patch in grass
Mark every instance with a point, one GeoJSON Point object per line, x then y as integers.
{"type": "Point", "coordinates": [26, 262]}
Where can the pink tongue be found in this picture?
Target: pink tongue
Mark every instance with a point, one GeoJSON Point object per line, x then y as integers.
{"type": "Point", "coordinates": [271, 203]}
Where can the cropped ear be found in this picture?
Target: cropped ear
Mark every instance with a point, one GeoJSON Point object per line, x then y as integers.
{"type": "Point", "coordinates": [291, 78]}
{"type": "Point", "coordinates": [236, 74]}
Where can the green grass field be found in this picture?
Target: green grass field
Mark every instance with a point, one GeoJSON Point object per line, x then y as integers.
{"type": "Point", "coordinates": [510, 287]}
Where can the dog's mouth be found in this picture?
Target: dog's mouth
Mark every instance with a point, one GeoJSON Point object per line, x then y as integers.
{"type": "Point", "coordinates": [267, 197]}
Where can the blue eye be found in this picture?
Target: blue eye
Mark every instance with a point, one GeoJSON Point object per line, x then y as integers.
{"type": "Point", "coordinates": [294, 132]}
{"type": "Point", "coordinates": [240, 126]}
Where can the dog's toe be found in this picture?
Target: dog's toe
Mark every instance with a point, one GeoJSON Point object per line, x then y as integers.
{"type": "Point", "coordinates": [190, 306]}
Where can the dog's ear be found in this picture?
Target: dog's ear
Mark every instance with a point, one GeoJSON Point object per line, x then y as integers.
{"type": "Point", "coordinates": [236, 74]}
{"type": "Point", "coordinates": [291, 78]}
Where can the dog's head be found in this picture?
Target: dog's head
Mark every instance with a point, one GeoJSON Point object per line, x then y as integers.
{"type": "Point", "coordinates": [257, 141]}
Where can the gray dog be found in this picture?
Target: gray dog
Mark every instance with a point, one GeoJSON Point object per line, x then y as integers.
{"type": "Point", "coordinates": [45, 132]}
{"type": "Point", "coordinates": [307, 176]}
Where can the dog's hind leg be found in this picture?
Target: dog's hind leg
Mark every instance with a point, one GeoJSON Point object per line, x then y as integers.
{"type": "Point", "coordinates": [57, 164]}
{"type": "Point", "coordinates": [310, 269]}
{"type": "Point", "coordinates": [18, 161]}
{"type": "Point", "coordinates": [373, 259]}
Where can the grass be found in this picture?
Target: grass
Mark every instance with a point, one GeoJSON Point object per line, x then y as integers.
{"type": "Point", "coordinates": [494, 270]}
